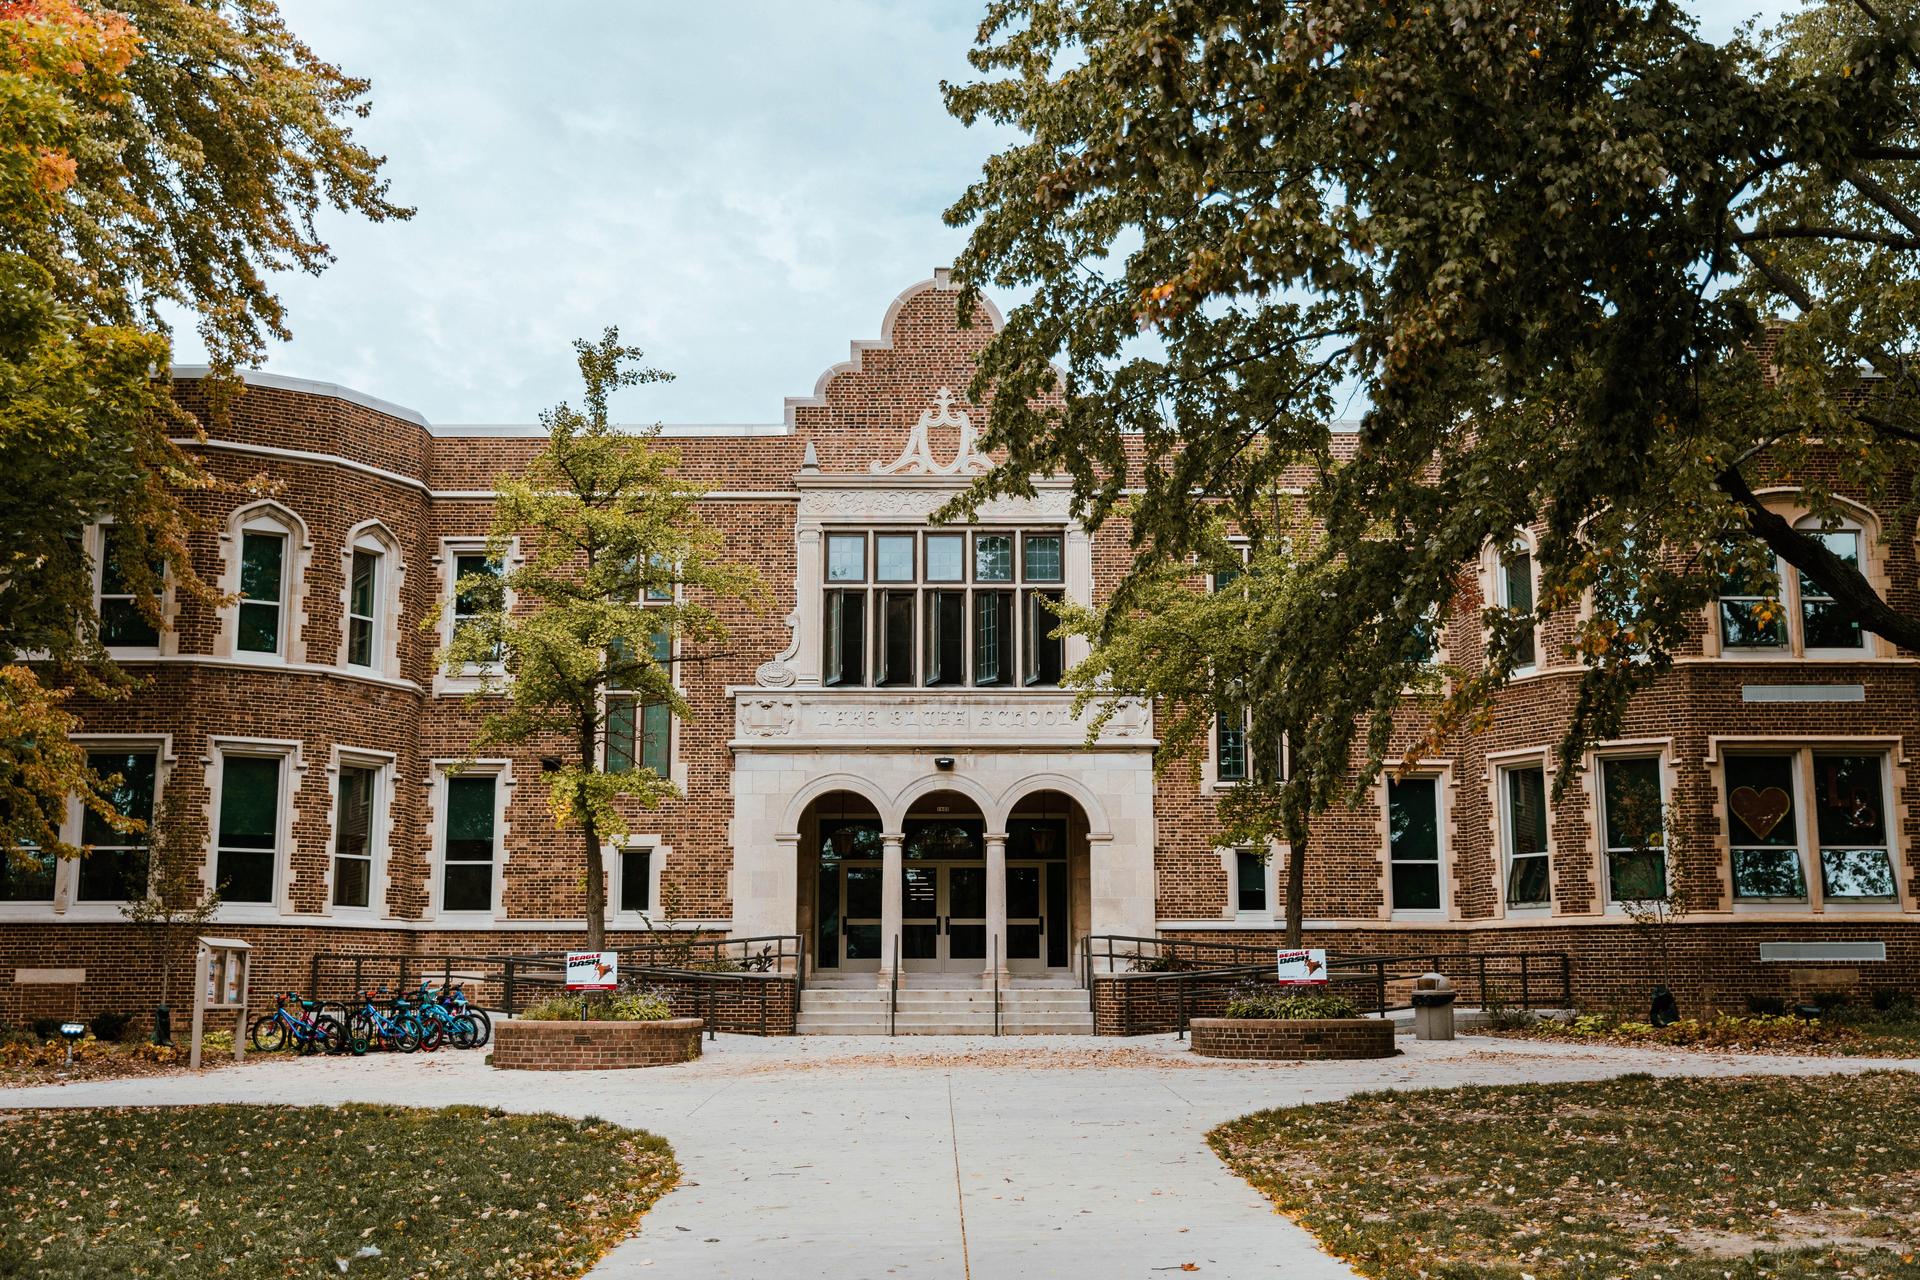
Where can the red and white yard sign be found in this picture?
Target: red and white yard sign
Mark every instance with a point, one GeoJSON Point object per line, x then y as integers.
{"type": "Point", "coordinates": [1302, 967]}
{"type": "Point", "coordinates": [593, 970]}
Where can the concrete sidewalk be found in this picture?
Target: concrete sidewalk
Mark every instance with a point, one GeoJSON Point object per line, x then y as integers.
{"type": "Point", "coordinates": [855, 1158]}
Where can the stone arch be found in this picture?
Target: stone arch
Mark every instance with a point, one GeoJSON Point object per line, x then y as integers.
{"type": "Point", "coordinates": [1098, 826]}
{"type": "Point", "coordinates": [928, 783]}
{"type": "Point", "coordinates": [827, 785]}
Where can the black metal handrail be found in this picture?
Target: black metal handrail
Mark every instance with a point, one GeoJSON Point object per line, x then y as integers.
{"type": "Point", "coordinates": [893, 997]}
{"type": "Point", "coordinates": [996, 984]}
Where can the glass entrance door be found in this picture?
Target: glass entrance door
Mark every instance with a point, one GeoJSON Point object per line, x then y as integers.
{"type": "Point", "coordinates": [943, 917]}
{"type": "Point", "coordinates": [1036, 917]}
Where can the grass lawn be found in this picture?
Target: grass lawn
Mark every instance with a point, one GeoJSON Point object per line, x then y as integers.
{"type": "Point", "coordinates": [1674, 1179]}
{"type": "Point", "coordinates": [237, 1191]}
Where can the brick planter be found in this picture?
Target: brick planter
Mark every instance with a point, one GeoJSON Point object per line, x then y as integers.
{"type": "Point", "coordinates": [1288, 1039]}
{"type": "Point", "coordinates": [520, 1045]}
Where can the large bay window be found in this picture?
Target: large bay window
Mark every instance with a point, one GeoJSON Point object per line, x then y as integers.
{"type": "Point", "coordinates": [938, 609]}
{"type": "Point", "coordinates": [1782, 803]}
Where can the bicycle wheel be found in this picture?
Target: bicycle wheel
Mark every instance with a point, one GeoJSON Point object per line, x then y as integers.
{"type": "Point", "coordinates": [431, 1033]}
{"type": "Point", "coordinates": [407, 1040]}
{"type": "Point", "coordinates": [269, 1034]}
{"type": "Point", "coordinates": [462, 1032]}
{"type": "Point", "coordinates": [332, 1034]}
{"type": "Point", "coordinates": [360, 1033]}
{"type": "Point", "coordinates": [306, 1037]}
{"type": "Point", "coordinates": [482, 1026]}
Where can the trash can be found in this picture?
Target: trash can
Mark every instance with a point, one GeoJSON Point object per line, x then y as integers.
{"type": "Point", "coordinates": [1432, 1007]}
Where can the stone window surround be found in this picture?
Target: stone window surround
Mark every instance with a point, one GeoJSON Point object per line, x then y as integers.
{"type": "Point", "coordinates": [65, 904]}
{"type": "Point", "coordinates": [1893, 782]}
{"type": "Point", "coordinates": [903, 502]}
{"type": "Point", "coordinates": [270, 517]}
{"type": "Point", "coordinates": [379, 834]}
{"type": "Point", "coordinates": [658, 852]}
{"type": "Point", "coordinates": [291, 753]}
{"type": "Point", "coordinates": [1873, 565]}
{"type": "Point", "coordinates": [1660, 749]}
{"type": "Point", "coordinates": [96, 547]}
{"type": "Point", "coordinates": [677, 772]}
{"type": "Point", "coordinates": [439, 771]}
{"type": "Point", "coordinates": [1498, 763]}
{"type": "Point", "coordinates": [388, 611]}
{"type": "Point", "coordinates": [1275, 915]}
{"type": "Point", "coordinates": [471, 678]}
{"type": "Point", "coordinates": [1441, 771]}
{"type": "Point", "coordinates": [1493, 590]}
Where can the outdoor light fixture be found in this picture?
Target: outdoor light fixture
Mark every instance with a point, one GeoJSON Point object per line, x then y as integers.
{"type": "Point", "coordinates": [71, 1032]}
{"type": "Point", "coordinates": [943, 762]}
{"type": "Point", "coordinates": [842, 837]}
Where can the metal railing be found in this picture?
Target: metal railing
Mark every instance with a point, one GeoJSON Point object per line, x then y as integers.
{"type": "Point", "coordinates": [996, 984]}
{"type": "Point", "coordinates": [893, 993]}
{"type": "Point", "coordinates": [1163, 955]}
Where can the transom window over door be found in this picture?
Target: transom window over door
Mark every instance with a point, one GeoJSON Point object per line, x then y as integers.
{"type": "Point", "coordinates": [940, 609]}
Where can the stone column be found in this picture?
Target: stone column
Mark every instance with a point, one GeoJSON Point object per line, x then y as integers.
{"type": "Point", "coordinates": [996, 909]}
{"type": "Point", "coordinates": [892, 885]}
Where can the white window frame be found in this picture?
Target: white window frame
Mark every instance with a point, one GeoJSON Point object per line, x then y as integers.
{"type": "Point", "coordinates": [1792, 605]}
{"type": "Point", "coordinates": [1805, 851]}
{"type": "Point", "coordinates": [1504, 766]}
{"type": "Point", "coordinates": [1660, 752]}
{"type": "Point", "coordinates": [1270, 883]}
{"type": "Point", "coordinates": [96, 545]}
{"type": "Point", "coordinates": [65, 903]}
{"type": "Point", "coordinates": [270, 518]}
{"type": "Point", "coordinates": [676, 767]}
{"type": "Point", "coordinates": [379, 830]}
{"type": "Point", "coordinates": [292, 765]}
{"type": "Point", "coordinates": [1441, 774]}
{"type": "Point", "coordinates": [502, 771]}
{"type": "Point", "coordinates": [1520, 544]}
{"type": "Point", "coordinates": [472, 676]}
{"type": "Point", "coordinates": [373, 537]}
{"type": "Point", "coordinates": [656, 859]}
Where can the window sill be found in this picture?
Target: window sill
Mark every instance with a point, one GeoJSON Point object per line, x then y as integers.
{"type": "Point", "coordinates": [1418, 916]}
{"type": "Point", "coordinates": [1530, 911]}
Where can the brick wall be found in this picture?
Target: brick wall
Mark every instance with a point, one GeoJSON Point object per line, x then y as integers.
{"type": "Point", "coordinates": [594, 1046]}
{"type": "Point", "coordinates": [1266, 1040]}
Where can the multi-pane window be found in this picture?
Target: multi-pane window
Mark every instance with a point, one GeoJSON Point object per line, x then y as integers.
{"type": "Point", "coordinates": [1763, 830]}
{"type": "Point", "coordinates": [363, 620]}
{"type": "Point", "coordinates": [471, 601]}
{"type": "Point", "coordinates": [1822, 625]}
{"type": "Point", "coordinates": [263, 580]}
{"type": "Point", "coordinates": [122, 625]}
{"type": "Point", "coordinates": [640, 735]}
{"type": "Point", "coordinates": [26, 875]}
{"type": "Point", "coordinates": [1529, 881]}
{"type": "Point", "coordinates": [1249, 882]}
{"type": "Point", "coordinates": [1413, 843]}
{"type": "Point", "coordinates": [1791, 611]}
{"type": "Point", "coordinates": [115, 868]}
{"type": "Point", "coordinates": [353, 837]}
{"type": "Point", "coordinates": [466, 882]}
{"type": "Point", "coordinates": [1632, 815]}
{"type": "Point", "coordinates": [1230, 746]}
{"type": "Point", "coordinates": [636, 878]}
{"type": "Point", "coordinates": [942, 609]}
{"type": "Point", "coordinates": [247, 849]}
{"type": "Point", "coordinates": [1516, 596]}
{"type": "Point", "coordinates": [1850, 820]}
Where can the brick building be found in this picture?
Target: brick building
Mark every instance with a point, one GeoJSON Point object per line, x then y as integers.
{"type": "Point", "coordinates": [885, 764]}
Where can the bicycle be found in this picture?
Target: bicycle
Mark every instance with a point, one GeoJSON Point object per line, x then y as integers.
{"type": "Point", "coordinates": [370, 1026]}
{"type": "Point", "coordinates": [313, 1032]}
{"type": "Point", "coordinates": [440, 1015]}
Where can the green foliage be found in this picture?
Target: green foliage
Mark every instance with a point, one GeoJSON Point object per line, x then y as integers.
{"type": "Point", "coordinates": [1538, 242]}
{"type": "Point", "coordinates": [154, 155]}
{"type": "Point", "coordinates": [602, 549]}
{"type": "Point", "coordinates": [389, 1191]}
{"type": "Point", "coordinates": [626, 1006]}
{"type": "Point", "coordinates": [1291, 1005]}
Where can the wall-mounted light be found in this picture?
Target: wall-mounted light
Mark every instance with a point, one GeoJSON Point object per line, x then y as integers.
{"type": "Point", "coordinates": [944, 763]}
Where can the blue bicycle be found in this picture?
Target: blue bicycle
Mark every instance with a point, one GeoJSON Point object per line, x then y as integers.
{"type": "Point", "coordinates": [371, 1027]}
{"type": "Point", "coordinates": [314, 1031]}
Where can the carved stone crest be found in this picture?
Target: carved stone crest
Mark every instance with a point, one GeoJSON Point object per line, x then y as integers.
{"type": "Point", "coordinates": [917, 457]}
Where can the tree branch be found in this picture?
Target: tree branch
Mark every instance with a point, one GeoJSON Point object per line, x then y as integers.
{"type": "Point", "coordinates": [1893, 206]}
{"type": "Point", "coordinates": [1887, 238]}
{"type": "Point", "coordinates": [1844, 582]}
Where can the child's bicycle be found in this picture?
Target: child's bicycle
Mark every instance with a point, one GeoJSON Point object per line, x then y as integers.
{"type": "Point", "coordinates": [371, 1027]}
{"type": "Point", "coordinates": [441, 1020]}
{"type": "Point", "coordinates": [456, 1001]}
{"type": "Point", "coordinates": [312, 1032]}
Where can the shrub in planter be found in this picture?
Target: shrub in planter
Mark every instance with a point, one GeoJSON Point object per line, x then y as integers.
{"type": "Point", "coordinates": [624, 1006]}
{"type": "Point", "coordinates": [1291, 1006]}
{"type": "Point", "coordinates": [47, 1028]}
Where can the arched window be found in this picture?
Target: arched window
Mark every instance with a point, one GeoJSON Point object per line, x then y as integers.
{"type": "Point", "coordinates": [267, 550]}
{"type": "Point", "coordinates": [370, 612]}
{"type": "Point", "coordinates": [1793, 616]}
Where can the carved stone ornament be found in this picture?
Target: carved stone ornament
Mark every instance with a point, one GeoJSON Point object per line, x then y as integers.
{"type": "Point", "coordinates": [916, 459]}
{"type": "Point", "coordinates": [761, 717]}
{"type": "Point", "coordinates": [775, 673]}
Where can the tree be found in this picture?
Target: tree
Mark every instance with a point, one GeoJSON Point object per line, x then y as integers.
{"type": "Point", "coordinates": [153, 154]}
{"type": "Point", "coordinates": [1584, 271]}
{"type": "Point", "coordinates": [176, 905]}
{"type": "Point", "coordinates": [616, 562]}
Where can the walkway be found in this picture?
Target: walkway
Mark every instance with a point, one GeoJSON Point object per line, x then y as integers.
{"type": "Point", "coordinates": [859, 1158]}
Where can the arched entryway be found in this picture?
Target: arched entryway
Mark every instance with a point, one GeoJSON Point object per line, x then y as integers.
{"type": "Point", "coordinates": [953, 892]}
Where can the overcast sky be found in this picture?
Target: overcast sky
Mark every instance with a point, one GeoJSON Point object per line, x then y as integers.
{"type": "Point", "coordinates": [740, 187]}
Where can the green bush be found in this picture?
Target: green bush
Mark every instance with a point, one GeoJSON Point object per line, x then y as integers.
{"type": "Point", "coordinates": [110, 1026]}
{"type": "Point", "coordinates": [624, 1006]}
{"type": "Point", "coordinates": [1304, 1004]}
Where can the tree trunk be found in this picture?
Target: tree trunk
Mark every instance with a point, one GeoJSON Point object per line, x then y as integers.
{"type": "Point", "coordinates": [596, 870]}
{"type": "Point", "coordinates": [1296, 876]}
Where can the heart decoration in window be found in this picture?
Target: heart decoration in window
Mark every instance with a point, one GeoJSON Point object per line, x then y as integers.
{"type": "Point", "coordinates": [1761, 810]}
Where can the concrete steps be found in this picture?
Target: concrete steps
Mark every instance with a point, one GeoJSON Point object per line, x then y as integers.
{"type": "Point", "coordinates": [848, 1011]}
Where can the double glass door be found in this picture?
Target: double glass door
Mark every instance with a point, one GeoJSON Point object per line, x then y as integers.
{"type": "Point", "coordinates": [943, 917]}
